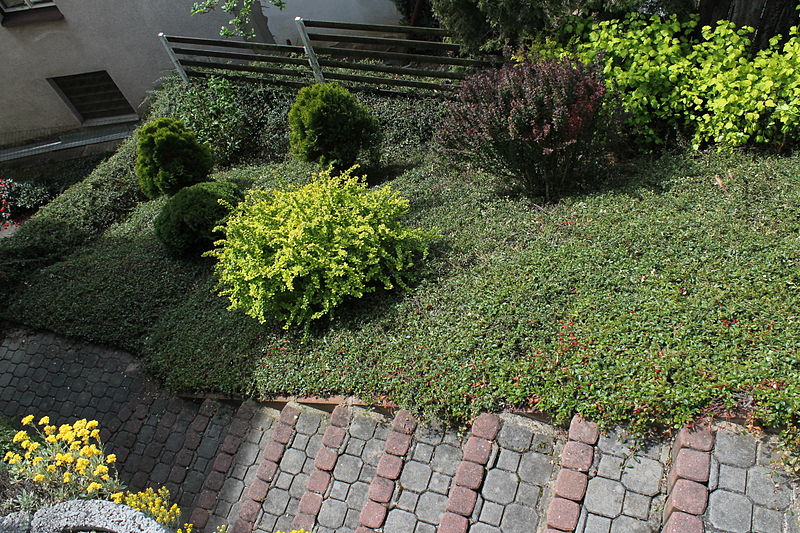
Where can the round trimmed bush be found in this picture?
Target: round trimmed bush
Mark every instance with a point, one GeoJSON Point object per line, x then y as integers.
{"type": "Point", "coordinates": [169, 157]}
{"type": "Point", "coordinates": [187, 221]}
{"type": "Point", "coordinates": [328, 124]}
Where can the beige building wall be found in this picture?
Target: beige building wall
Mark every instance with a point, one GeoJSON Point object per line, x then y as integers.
{"type": "Point", "coordinates": [119, 36]}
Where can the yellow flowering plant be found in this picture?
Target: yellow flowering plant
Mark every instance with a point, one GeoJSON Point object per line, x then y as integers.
{"type": "Point", "coordinates": [155, 504]}
{"type": "Point", "coordinates": [53, 463]}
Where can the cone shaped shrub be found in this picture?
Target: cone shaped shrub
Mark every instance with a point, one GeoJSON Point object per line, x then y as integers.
{"type": "Point", "coordinates": [170, 158]}
{"type": "Point", "coordinates": [187, 221]}
{"type": "Point", "coordinates": [328, 124]}
{"type": "Point", "coordinates": [294, 255]}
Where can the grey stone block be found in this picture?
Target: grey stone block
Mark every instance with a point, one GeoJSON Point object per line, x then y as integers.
{"type": "Point", "coordinates": [284, 481]}
{"type": "Point", "coordinates": [615, 443]}
{"type": "Point", "coordinates": [439, 483]}
{"type": "Point", "coordinates": [519, 519]}
{"type": "Point", "coordinates": [373, 450]}
{"type": "Point", "coordinates": [429, 435]}
{"type": "Point", "coordinates": [298, 486]}
{"type": "Point", "coordinates": [407, 500]}
{"type": "Point", "coordinates": [15, 523]}
{"type": "Point", "coordinates": [351, 519]}
{"type": "Point", "coordinates": [492, 513]}
{"type": "Point", "coordinates": [355, 446]}
{"type": "Point", "coordinates": [300, 441]}
{"type": "Point", "coordinates": [276, 501]}
{"type": "Point", "coordinates": [339, 490]}
{"type": "Point", "coordinates": [642, 475]}
{"type": "Point", "coordinates": [735, 450]}
{"type": "Point", "coordinates": [636, 505]}
{"type": "Point", "coordinates": [308, 422]}
{"type": "Point", "coordinates": [293, 461]}
{"type": "Point", "coordinates": [430, 507]}
{"type": "Point", "coordinates": [626, 524]}
{"type": "Point", "coordinates": [610, 467]}
{"type": "Point", "coordinates": [357, 495]}
{"type": "Point", "coordinates": [528, 495]}
{"type": "Point", "coordinates": [399, 521]}
{"type": "Point", "coordinates": [767, 520]}
{"type": "Point", "coordinates": [446, 458]}
{"type": "Point", "coordinates": [362, 427]}
{"type": "Point", "coordinates": [347, 468]}
{"type": "Point", "coordinates": [732, 478]}
{"type": "Point", "coordinates": [500, 486]}
{"type": "Point", "coordinates": [536, 468]}
{"type": "Point", "coordinates": [422, 527]}
{"type": "Point", "coordinates": [604, 497]}
{"type": "Point", "coordinates": [415, 476]}
{"type": "Point", "coordinates": [508, 460]}
{"type": "Point", "coordinates": [597, 524]}
{"type": "Point", "coordinates": [422, 452]}
{"type": "Point", "coordinates": [515, 437]}
{"type": "Point", "coordinates": [729, 511]}
{"type": "Point", "coordinates": [768, 489]}
{"type": "Point", "coordinates": [481, 527]}
{"type": "Point", "coordinates": [88, 515]}
{"type": "Point", "coordinates": [232, 490]}
{"type": "Point", "coordinates": [713, 474]}
{"type": "Point", "coordinates": [332, 514]}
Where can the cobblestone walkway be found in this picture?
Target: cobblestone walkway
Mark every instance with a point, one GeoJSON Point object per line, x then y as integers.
{"type": "Point", "coordinates": [265, 467]}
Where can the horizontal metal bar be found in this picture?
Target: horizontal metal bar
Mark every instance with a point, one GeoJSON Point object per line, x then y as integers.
{"type": "Point", "coordinates": [249, 79]}
{"type": "Point", "coordinates": [418, 58]}
{"type": "Point", "coordinates": [234, 44]}
{"type": "Point", "coordinates": [241, 57]}
{"type": "Point", "coordinates": [245, 68]}
{"type": "Point", "coordinates": [393, 70]}
{"type": "Point", "coordinates": [388, 28]}
{"type": "Point", "coordinates": [389, 81]}
{"type": "Point", "coordinates": [386, 41]}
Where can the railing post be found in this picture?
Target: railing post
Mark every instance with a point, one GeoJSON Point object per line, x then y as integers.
{"type": "Point", "coordinates": [312, 56]}
{"type": "Point", "coordinates": [173, 58]}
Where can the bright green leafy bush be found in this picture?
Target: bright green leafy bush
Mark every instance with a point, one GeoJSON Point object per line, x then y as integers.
{"type": "Point", "coordinates": [187, 221]}
{"type": "Point", "coordinates": [293, 256]}
{"type": "Point", "coordinates": [538, 124]}
{"type": "Point", "coordinates": [328, 124]}
{"type": "Point", "coordinates": [169, 158]}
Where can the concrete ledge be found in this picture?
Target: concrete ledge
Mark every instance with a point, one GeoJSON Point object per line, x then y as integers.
{"type": "Point", "coordinates": [89, 515]}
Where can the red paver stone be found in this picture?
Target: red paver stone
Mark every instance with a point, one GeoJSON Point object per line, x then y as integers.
{"type": "Point", "coordinates": [690, 464]}
{"type": "Point", "coordinates": [207, 408]}
{"type": "Point", "coordinates": [214, 481]}
{"type": "Point", "coordinates": [698, 438]}
{"type": "Point", "coordinates": [362, 529]}
{"type": "Point", "coordinates": [453, 523]}
{"type": "Point", "coordinates": [249, 511]}
{"type": "Point", "coordinates": [223, 462]}
{"type": "Point", "coordinates": [683, 523]}
{"type": "Point", "coordinates": [372, 515]}
{"type": "Point", "coordinates": [200, 423]}
{"type": "Point", "coordinates": [398, 443]}
{"type": "Point", "coordinates": [563, 514]}
{"type": "Point", "coordinates": [571, 484]}
{"type": "Point", "coordinates": [266, 471]}
{"type": "Point", "coordinates": [289, 415]}
{"type": "Point", "coordinates": [687, 496]}
{"type": "Point", "coordinates": [318, 481]}
{"type": "Point", "coordinates": [333, 437]}
{"type": "Point", "coordinates": [326, 459]}
{"type": "Point", "coordinates": [282, 433]}
{"type": "Point", "coordinates": [176, 475]}
{"type": "Point", "coordinates": [207, 500]}
{"type": "Point", "coordinates": [168, 419]}
{"type": "Point", "coordinates": [184, 458]}
{"type": "Point", "coordinates": [192, 440]}
{"type": "Point", "coordinates": [258, 490]}
{"type": "Point", "coordinates": [390, 466]}
{"type": "Point", "coordinates": [242, 527]}
{"type": "Point", "coordinates": [200, 517]}
{"type": "Point", "coordinates": [238, 428]}
{"type": "Point", "coordinates": [404, 422]}
{"type": "Point", "coordinates": [161, 434]}
{"type": "Point", "coordinates": [310, 503]}
{"type": "Point", "coordinates": [381, 489]}
{"type": "Point", "coordinates": [577, 456]}
{"type": "Point", "coordinates": [477, 450]}
{"type": "Point", "coordinates": [231, 444]}
{"type": "Point", "coordinates": [462, 501]}
{"type": "Point", "coordinates": [486, 426]}
{"type": "Point", "coordinates": [304, 521]}
{"type": "Point", "coordinates": [273, 452]}
{"type": "Point", "coordinates": [584, 431]}
{"type": "Point", "coordinates": [469, 475]}
{"type": "Point", "coordinates": [340, 416]}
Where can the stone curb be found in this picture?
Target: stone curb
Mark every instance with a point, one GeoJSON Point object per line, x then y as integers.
{"type": "Point", "coordinates": [469, 474]}
{"type": "Point", "coordinates": [324, 463]}
{"type": "Point", "coordinates": [687, 482]}
{"type": "Point", "coordinates": [572, 479]}
{"type": "Point", "coordinates": [268, 460]}
{"type": "Point", "coordinates": [390, 465]}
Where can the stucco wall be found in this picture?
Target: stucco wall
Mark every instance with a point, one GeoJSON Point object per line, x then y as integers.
{"type": "Point", "coordinates": [119, 36]}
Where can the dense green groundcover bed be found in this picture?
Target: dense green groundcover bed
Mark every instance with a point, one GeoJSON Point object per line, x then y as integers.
{"type": "Point", "coordinates": [668, 291]}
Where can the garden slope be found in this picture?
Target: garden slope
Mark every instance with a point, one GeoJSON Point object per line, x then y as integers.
{"type": "Point", "coordinates": [668, 292]}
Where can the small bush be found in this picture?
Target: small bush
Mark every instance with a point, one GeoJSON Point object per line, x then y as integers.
{"type": "Point", "coordinates": [187, 221]}
{"type": "Point", "coordinates": [293, 256]}
{"type": "Point", "coordinates": [328, 124]}
{"type": "Point", "coordinates": [537, 124]}
{"type": "Point", "coordinates": [169, 158]}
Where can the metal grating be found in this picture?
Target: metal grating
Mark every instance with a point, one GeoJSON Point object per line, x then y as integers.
{"type": "Point", "coordinates": [93, 95]}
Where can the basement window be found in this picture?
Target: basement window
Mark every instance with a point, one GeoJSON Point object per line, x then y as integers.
{"type": "Point", "coordinates": [94, 97]}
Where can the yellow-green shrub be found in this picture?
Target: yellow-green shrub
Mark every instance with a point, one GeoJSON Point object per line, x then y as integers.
{"type": "Point", "coordinates": [294, 255]}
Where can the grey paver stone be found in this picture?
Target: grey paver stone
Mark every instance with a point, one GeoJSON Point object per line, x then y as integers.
{"type": "Point", "coordinates": [480, 527]}
{"type": "Point", "coordinates": [519, 519]}
{"type": "Point", "coordinates": [735, 449]}
{"type": "Point", "coordinates": [300, 441]}
{"type": "Point", "coordinates": [492, 513]}
{"type": "Point", "coordinates": [732, 478]}
{"type": "Point", "coordinates": [408, 500]}
{"type": "Point", "coordinates": [362, 427]}
{"type": "Point", "coordinates": [445, 459]}
{"type": "Point", "coordinates": [314, 444]}
{"type": "Point", "coordinates": [528, 494]}
{"type": "Point", "coordinates": [231, 490]}
{"type": "Point", "coordinates": [372, 452]}
{"type": "Point", "coordinates": [500, 486]}
{"type": "Point", "coordinates": [626, 524]}
{"type": "Point", "coordinates": [713, 474]}
{"type": "Point", "coordinates": [604, 497]}
{"type": "Point", "coordinates": [508, 460]}
{"type": "Point", "coordinates": [615, 443]}
{"type": "Point", "coordinates": [284, 480]}
{"type": "Point", "coordinates": [298, 486]}
{"type": "Point", "coordinates": [248, 453]}
{"type": "Point", "coordinates": [351, 519]}
{"type": "Point", "coordinates": [439, 483]}
{"type": "Point", "coordinates": [332, 513]}
{"type": "Point", "coordinates": [355, 446]}
{"type": "Point", "coordinates": [357, 495]}
{"type": "Point", "coordinates": [429, 435]}
{"type": "Point", "coordinates": [729, 511]}
{"type": "Point", "coordinates": [399, 521]}
{"type": "Point", "coordinates": [415, 476]}
{"type": "Point", "coordinates": [610, 467]}
{"type": "Point", "coordinates": [367, 473]}
{"type": "Point", "coordinates": [293, 461]}
{"type": "Point", "coordinates": [636, 505]}
{"type": "Point", "coordinates": [597, 524]}
{"type": "Point", "coordinates": [422, 452]}
{"type": "Point", "coordinates": [642, 475]}
{"type": "Point", "coordinates": [308, 422]}
{"type": "Point", "coordinates": [767, 520]}
{"type": "Point", "coordinates": [430, 507]}
{"type": "Point", "coordinates": [422, 527]}
{"type": "Point", "coordinates": [536, 468]}
{"type": "Point", "coordinates": [339, 490]}
{"type": "Point", "coordinates": [347, 468]}
{"type": "Point", "coordinates": [276, 501]}
{"type": "Point", "coordinates": [768, 489]}
{"type": "Point", "coordinates": [515, 437]}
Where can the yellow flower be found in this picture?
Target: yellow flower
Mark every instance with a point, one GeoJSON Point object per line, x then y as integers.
{"type": "Point", "coordinates": [111, 458]}
{"type": "Point", "coordinates": [92, 424]}
{"type": "Point", "coordinates": [116, 497]}
{"type": "Point", "coordinates": [14, 459]}
{"type": "Point", "coordinates": [50, 438]}
{"type": "Point", "coordinates": [51, 468]}
{"type": "Point", "coordinates": [49, 430]}
{"type": "Point", "coordinates": [100, 470]}
{"type": "Point", "coordinates": [37, 460]}
{"type": "Point", "coordinates": [33, 446]}
{"type": "Point", "coordinates": [93, 487]}
{"type": "Point", "coordinates": [21, 435]}
{"type": "Point", "coordinates": [8, 456]}
{"type": "Point", "coordinates": [38, 478]}
{"type": "Point", "coordinates": [27, 420]}
{"type": "Point", "coordinates": [44, 420]}
{"type": "Point", "coordinates": [67, 477]}
{"type": "Point", "coordinates": [95, 434]}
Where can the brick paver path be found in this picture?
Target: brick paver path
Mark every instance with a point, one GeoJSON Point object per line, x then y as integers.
{"type": "Point", "coordinates": [263, 467]}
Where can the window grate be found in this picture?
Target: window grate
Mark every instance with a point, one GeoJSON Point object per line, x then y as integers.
{"type": "Point", "coordinates": [93, 95]}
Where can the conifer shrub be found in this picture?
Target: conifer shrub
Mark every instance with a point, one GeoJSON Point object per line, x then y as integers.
{"type": "Point", "coordinates": [294, 255]}
{"type": "Point", "coordinates": [537, 124]}
{"type": "Point", "coordinates": [169, 158]}
{"type": "Point", "coordinates": [186, 222]}
{"type": "Point", "coordinates": [328, 124]}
